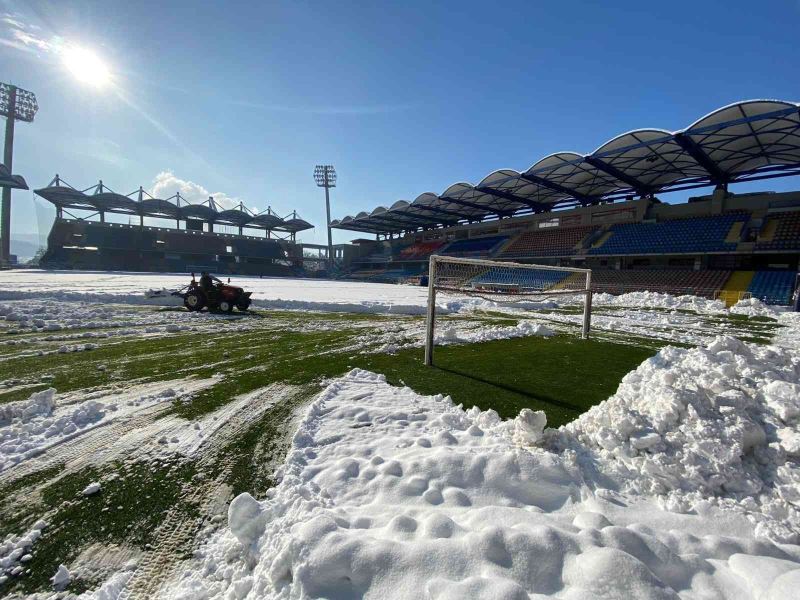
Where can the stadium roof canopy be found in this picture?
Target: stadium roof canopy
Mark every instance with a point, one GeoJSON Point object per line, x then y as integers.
{"type": "Point", "coordinates": [745, 141]}
{"type": "Point", "coordinates": [11, 181]}
{"type": "Point", "coordinates": [64, 196]}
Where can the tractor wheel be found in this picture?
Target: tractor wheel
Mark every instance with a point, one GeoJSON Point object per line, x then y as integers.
{"type": "Point", "coordinates": [226, 306]}
{"type": "Point", "coordinates": [194, 300]}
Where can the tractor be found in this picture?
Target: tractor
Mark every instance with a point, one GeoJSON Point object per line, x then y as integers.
{"type": "Point", "coordinates": [217, 297]}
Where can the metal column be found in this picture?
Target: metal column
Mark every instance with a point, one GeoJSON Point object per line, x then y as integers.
{"type": "Point", "coordinates": [587, 307]}
{"type": "Point", "coordinates": [8, 157]}
{"type": "Point", "coordinates": [328, 212]}
{"type": "Point", "coordinates": [431, 324]}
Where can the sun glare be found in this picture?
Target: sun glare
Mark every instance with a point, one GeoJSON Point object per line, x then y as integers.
{"type": "Point", "coordinates": [86, 66]}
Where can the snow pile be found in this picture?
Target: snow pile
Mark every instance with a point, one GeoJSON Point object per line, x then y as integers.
{"type": "Point", "coordinates": [62, 578]}
{"type": "Point", "coordinates": [457, 335]}
{"type": "Point", "coordinates": [659, 300]}
{"type": "Point", "coordinates": [39, 404]}
{"type": "Point", "coordinates": [388, 494]}
{"type": "Point", "coordinates": [111, 589]}
{"type": "Point", "coordinates": [40, 426]}
{"type": "Point", "coordinates": [92, 488]}
{"type": "Point", "coordinates": [712, 425]}
{"type": "Point", "coordinates": [753, 307]}
{"type": "Point", "coordinates": [15, 548]}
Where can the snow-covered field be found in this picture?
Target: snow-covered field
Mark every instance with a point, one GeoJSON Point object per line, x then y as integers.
{"type": "Point", "coordinates": [684, 483]}
{"type": "Point", "coordinates": [269, 292]}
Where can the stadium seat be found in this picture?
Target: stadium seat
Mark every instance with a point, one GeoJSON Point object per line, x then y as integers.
{"type": "Point", "coordinates": [559, 241]}
{"type": "Point", "coordinates": [475, 248]}
{"type": "Point", "coordinates": [697, 283]}
{"type": "Point", "coordinates": [420, 250]}
{"type": "Point", "coordinates": [773, 287]}
{"type": "Point", "coordinates": [786, 235]}
{"type": "Point", "coordinates": [696, 234]}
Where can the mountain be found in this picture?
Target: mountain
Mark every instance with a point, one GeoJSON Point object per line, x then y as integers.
{"type": "Point", "coordinates": [24, 245]}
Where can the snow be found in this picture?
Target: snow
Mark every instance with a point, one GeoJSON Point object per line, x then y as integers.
{"type": "Point", "coordinates": [456, 333]}
{"type": "Point", "coordinates": [14, 549]}
{"type": "Point", "coordinates": [39, 404]}
{"type": "Point", "coordinates": [111, 589]}
{"type": "Point", "coordinates": [269, 292]}
{"type": "Point", "coordinates": [39, 426]}
{"type": "Point", "coordinates": [29, 428]}
{"type": "Point", "coordinates": [92, 488]}
{"type": "Point", "coordinates": [62, 578]}
{"type": "Point", "coordinates": [299, 294]}
{"type": "Point", "coordinates": [753, 307]}
{"type": "Point", "coordinates": [684, 483]}
{"type": "Point", "coordinates": [675, 486]}
{"type": "Point", "coordinates": [704, 425]}
{"type": "Point", "coordinates": [659, 300]}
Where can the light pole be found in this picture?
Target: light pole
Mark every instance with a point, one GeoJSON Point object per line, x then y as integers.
{"type": "Point", "coordinates": [15, 105]}
{"type": "Point", "coordinates": [325, 176]}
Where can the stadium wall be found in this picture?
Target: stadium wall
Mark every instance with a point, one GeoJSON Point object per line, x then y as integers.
{"type": "Point", "coordinates": [80, 244]}
{"type": "Point", "coordinates": [718, 234]}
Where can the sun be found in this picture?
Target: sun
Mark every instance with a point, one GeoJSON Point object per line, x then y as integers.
{"type": "Point", "coordinates": [86, 66]}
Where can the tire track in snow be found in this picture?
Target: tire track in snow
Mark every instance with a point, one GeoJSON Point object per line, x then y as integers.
{"type": "Point", "coordinates": [178, 529]}
{"type": "Point", "coordinates": [94, 446]}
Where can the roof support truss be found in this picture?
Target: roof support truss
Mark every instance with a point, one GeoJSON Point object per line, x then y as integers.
{"type": "Point", "coordinates": [557, 187]}
{"type": "Point", "coordinates": [500, 213]}
{"type": "Point", "coordinates": [397, 223]}
{"type": "Point", "coordinates": [639, 187]}
{"type": "Point", "coordinates": [687, 144]}
{"type": "Point", "coordinates": [441, 211]}
{"type": "Point", "coordinates": [537, 206]}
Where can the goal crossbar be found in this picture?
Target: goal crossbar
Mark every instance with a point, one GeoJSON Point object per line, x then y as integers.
{"type": "Point", "coordinates": [504, 282]}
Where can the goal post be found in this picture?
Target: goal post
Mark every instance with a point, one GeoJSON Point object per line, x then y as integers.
{"type": "Point", "coordinates": [502, 282]}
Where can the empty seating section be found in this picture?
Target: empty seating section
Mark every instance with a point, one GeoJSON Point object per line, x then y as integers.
{"type": "Point", "coordinates": [381, 254]}
{"type": "Point", "coordinates": [559, 241]}
{"type": "Point", "coordinates": [696, 234]}
{"type": "Point", "coordinates": [194, 244]}
{"type": "Point", "coordinates": [396, 275]}
{"type": "Point", "coordinates": [773, 287]}
{"type": "Point", "coordinates": [122, 247]}
{"type": "Point", "coordinates": [479, 247]}
{"type": "Point", "coordinates": [787, 233]}
{"type": "Point", "coordinates": [520, 279]}
{"type": "Point", "coordinates": [420, 250]}
{"type": "Point", "coordinates": [698, 283]}
{"type": "Point", "coordinates": [113, 237]}
{"type": "Point", "coordinates": [256, 248]}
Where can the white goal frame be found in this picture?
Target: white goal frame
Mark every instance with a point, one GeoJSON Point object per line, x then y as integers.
{"type": "Point", "coordinates": [497, 290]}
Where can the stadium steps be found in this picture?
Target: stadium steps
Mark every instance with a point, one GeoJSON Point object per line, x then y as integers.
{"type": "Point", "coordinates": [581, 246]}
{"type": "Point", "coordinates": [603, 239]}
{"type": "Point", "coordinates": [737, 283]}
{"type": "Point", "coordinates": [571, 281]}
{"type": "Point", "coordinates": [735, 233]}
{"type": "Point", "coordinates": [592, 237]}
{"type": "Point", "coordinates": [767, 234]}
{"type": "Point", "coordinates": [509, 242]}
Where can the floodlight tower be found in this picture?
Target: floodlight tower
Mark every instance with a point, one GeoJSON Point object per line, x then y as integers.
{"type": "Point", "coordinates": [325, 176]}
{"type": "Point", "coordinates": [16, 104]}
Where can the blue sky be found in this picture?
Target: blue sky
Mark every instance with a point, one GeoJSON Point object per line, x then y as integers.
{"type": "Point", "coordinates": [243, 99]}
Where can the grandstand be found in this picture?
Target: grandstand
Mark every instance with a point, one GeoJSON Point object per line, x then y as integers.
{"type": "Point", "coordinates": [78, 242]}
{"type": "Point", "coordinates": [603, 211]}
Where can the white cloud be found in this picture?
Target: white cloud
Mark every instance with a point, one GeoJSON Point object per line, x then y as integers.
{"type": "Point", "coordinates": [166, 184]}
{"type": "Point", "coordinates": [23, 36]}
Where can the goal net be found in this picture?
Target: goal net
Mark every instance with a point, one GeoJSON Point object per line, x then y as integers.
{"type": "Point", "coordinates": [502, 282]}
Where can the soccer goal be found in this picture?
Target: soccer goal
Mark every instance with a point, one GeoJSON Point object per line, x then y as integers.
{"type": "Point", "coordinates": [503, 282]}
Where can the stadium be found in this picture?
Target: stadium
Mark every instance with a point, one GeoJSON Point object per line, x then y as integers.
{"type": "Point", "coordinates": [88, 241]}
{"type": "Point", "coordinates": [575, 380]}
{"type": "Point", "coordinates": [601, 211]}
